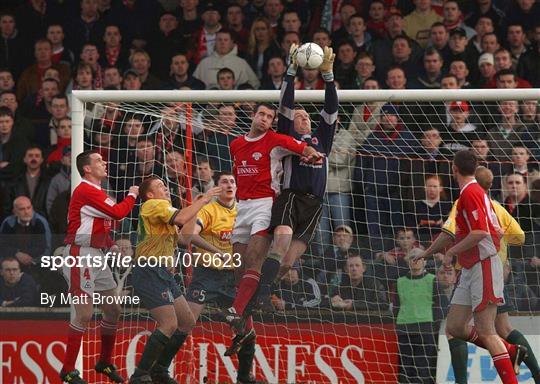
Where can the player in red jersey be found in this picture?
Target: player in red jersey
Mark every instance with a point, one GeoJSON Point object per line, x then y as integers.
{"type": "Point", "coordinates": [480, 287]}
{"type": "Point", "coordinates": [89, 223]}
{"type": "Point", "coordinates": [257, 165]}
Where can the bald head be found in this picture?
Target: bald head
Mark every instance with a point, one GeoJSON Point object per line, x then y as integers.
{"type": "Point", "coordinates": [484, 177]}
{"type": "Point", "coordinates": [22, 208]}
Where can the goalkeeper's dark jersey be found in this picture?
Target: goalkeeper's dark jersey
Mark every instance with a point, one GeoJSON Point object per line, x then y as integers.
{"type": "Point", "coordinates": [298, 175]}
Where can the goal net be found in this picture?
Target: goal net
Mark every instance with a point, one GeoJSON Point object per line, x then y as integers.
{"type": "Point", "coordinates": [347, 312]}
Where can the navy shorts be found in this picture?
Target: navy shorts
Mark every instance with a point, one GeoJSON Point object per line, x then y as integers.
{"type": "Point", "coordinates": [155, 286]}
{"type": "Point", "coordinates": [212, 285]}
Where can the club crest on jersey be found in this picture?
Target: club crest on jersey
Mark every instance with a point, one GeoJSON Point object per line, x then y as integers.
{"type": "Point", "coordinates": [257, 155]}
{"type": "Point", "coordinates": [225, 235]}
{"type": "Point", "coordinates": [314, 141]}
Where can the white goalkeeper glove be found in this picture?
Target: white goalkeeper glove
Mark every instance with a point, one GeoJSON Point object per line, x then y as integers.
{"type": "Point", "coordinates": [327, 66]}
{"type": "Point", "coordinates": [293, 65]}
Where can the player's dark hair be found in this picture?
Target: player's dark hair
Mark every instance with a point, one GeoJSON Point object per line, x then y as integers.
{"type": "Point", "coordinates": [83, 159]}
{"type": "Point", "coordinates": [267, 105]}
{"type": "Point", "coordinates": [218, 175]}
{"type": "Point", "coordinates": [144, 188]}
{"type": "Point", "coordinates": [466, 162]}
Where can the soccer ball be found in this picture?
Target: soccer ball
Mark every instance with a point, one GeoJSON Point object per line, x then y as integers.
{"type": "Point", "coordinates": [309, 56]}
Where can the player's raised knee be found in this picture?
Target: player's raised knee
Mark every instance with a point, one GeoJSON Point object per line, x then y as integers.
{"type": "Point", "coordinates": [283, 230]}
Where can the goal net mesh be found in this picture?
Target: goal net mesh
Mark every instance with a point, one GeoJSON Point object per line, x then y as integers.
{"type": "Point", "coordinates": [390, 189]}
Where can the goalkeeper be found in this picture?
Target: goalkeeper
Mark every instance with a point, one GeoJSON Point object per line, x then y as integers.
{"type": "Point", "coordinates": [297, 210]}
{"type": "Point", "coordinates": [513, 235]}
{"type": "Point", "coordinates": [155, 285]}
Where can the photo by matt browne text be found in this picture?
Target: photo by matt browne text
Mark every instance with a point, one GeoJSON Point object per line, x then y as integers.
{"type": "Point", "coordinates": [83, 298]}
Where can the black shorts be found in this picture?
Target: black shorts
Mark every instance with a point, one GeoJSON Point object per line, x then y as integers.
{"type": "Point", "coordinates": [155, 286]}
{"type": "Point", "coordinates": [212, 285]}
{"type": "Point", "coordinates": [298, 210]}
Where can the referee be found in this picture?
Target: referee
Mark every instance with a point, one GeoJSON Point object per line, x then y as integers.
{"type": "Point", "coordinates": [297, 210]}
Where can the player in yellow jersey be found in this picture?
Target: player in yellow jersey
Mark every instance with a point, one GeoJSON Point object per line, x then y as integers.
{"type": "Point", "coordinates": [214, 274]}
{"type": "Point", "coordinates": [153, 280]}
{"type": "Point", "coordinates": [512, 234]}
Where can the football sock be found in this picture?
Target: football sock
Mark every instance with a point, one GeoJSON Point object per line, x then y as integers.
{"type": "Point", "coordinates": [504, 368]}
{"type": "Point", "coordinates": [152, 350]}
{"type": "Point", "coordinates": [269, 273]}
{"type": "Point", "coordinates": [75, 334]}
{"type": "Point", "coordinates": [459, 354]}
{"type": "Point", "coordinates": [247, 287]}
{"type": "Point", "coordinates": [171, 349]}
{"type": "Point", "coordinates": [516, 337]}
{"type": "Point", "coordinates": [108, 337]}
{"type": "Point", "coordinates": [245, 359]}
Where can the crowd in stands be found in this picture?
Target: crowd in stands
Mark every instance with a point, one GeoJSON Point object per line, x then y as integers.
{"type": "Point", "coordinates": [390, 184]}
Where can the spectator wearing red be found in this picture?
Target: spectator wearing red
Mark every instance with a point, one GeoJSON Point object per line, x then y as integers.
{"type": "Point", "coordinates": [205, 38]}
{"type": "Point", "coordinates": [63, 133]}
{"type": "Point", "coordinates": [453, 18]}
{"type": "Point", "coordinates": [59, 111]}
{"type": "Point", "coordinates": [60, 183]}
{"type": "Point", "coordinates": [61, 54]}
{"type": "Point", "coordinates": [376, 24]}
{"type": "Point", "coordinates": [503, 61]}
{"type": "Point", "coordinates": [113, 53]}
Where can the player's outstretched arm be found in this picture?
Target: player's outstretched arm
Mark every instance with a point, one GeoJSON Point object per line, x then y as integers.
{"type": "Point", "coordinates": [188, 213]}
{"type": "Point", "coordinates": [285, 123]}
{"type": "Point", "coordinates": [441, 242]}
{"type": "Point", "coordinates": [329, 114]}
{"type": "Point", "coordinates": [107, 208]}
{"type": "Point", "coordinates": [311, 154]}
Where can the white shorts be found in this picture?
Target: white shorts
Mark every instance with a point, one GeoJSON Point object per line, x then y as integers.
{"type": "Point", "coordinates": [481, 285]}
{"type": "Point", "coordinates": [253, 217]}
{"type": "Point", "coordinates": [87, 278]}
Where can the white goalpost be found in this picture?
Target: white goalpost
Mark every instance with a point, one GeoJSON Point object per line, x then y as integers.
{"type": "Point", "coordinates": [378, 190]}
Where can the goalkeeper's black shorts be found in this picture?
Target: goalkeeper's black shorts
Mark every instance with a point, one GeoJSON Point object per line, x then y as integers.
{"type": "Point", "coordinates": [298, 210]}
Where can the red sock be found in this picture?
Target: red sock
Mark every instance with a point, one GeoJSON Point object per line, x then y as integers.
{"type": "Point", "coordinates": [511, 348]}
{"type": "Point", "coordinates": [473, 338]}
{"type": "Point", "coordinates": [75, 335]}
{"type": "Point", "coordinates": [504, 368]}
{"type": "Point", "coordinates": [247, 287]}
{"type": "Point", "coordinates": [108, 336]}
